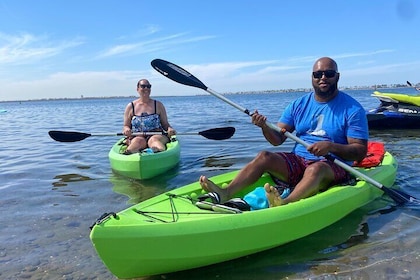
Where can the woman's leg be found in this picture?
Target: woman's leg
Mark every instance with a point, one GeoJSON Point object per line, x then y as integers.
{"type": "Point", "coordinates": [137, 143]}
{"type": "Point", "coordinates": [158, 142]}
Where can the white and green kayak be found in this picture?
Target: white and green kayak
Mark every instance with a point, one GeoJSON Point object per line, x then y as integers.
{"type": "Point", "coordinates": [169, 233]}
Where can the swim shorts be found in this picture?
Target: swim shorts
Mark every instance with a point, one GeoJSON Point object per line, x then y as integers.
{"type": "Point", "coordinates": [296, 166]}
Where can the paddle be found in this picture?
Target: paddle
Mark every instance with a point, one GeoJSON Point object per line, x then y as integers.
{"type": "Point", "coordinates": [411, 85]}
{"type": "Point", "coordinates": [182, 76]}
{"type": "Point", "coordinates": [220, 133]}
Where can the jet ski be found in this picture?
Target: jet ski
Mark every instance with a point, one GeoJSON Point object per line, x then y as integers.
{"type": "Point", "coordinates": [396, 111]}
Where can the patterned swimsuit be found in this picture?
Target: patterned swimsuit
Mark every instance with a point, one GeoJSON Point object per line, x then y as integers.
{"type": "Point", "coordinates": [145, 122]}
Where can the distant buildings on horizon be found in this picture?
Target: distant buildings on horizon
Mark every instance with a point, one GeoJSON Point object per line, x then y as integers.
{"type": "Point", "coordinates": [374, 87]}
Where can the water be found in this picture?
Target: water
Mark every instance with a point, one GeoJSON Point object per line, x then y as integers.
{"type": "Point", "coordinates": [51, 192]}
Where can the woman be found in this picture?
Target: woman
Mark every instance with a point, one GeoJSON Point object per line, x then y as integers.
{"type": "Point", "coordinates": [144, 115]}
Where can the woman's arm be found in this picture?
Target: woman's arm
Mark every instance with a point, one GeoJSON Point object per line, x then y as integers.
{"type": "Point", "coordinates": [127, 120]}
{"type": "Point", "coordinates": [164, 119]}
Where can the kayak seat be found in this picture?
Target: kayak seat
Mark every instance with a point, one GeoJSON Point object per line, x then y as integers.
{"type": "Point", "coordinates": [374, 155]}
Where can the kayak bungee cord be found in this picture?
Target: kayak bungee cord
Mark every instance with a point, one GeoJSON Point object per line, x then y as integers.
{"type": "Point", "coordinates": [103, 218]}
{"type": "Point", "coordinates": [214, 209]}
{"type": "Point", "coordinates": [173, 211]}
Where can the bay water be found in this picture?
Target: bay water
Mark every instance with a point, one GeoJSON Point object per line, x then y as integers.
{"type": "Point", "coordinates": [51, 192]}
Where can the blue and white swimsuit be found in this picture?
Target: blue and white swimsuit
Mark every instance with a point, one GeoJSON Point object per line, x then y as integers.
{"type": "Point", "coordinates": [145, 122]}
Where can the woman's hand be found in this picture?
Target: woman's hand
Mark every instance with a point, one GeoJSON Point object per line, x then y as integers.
{"type": "Point", "coordinates": [126, 131]}
{"type": "Point", "coordinates": [171, 131]}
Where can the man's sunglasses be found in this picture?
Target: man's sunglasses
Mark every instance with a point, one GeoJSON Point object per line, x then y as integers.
{"type": "Point", "coordinates": [145, 86]}
{"type": "Point", "coordinates": [327, 73]}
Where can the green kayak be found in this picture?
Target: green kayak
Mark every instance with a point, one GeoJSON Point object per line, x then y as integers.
{"type": "Point", "coordinates": [169, 233]}
{"type": "Point", "coordinates": [144, 165]}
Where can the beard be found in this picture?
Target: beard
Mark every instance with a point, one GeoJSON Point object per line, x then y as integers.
{"type": "Point", "coordinates": [328, 92]}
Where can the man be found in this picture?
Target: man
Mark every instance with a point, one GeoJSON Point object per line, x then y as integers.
{"type": "Point", "coordinates": [329, 120]}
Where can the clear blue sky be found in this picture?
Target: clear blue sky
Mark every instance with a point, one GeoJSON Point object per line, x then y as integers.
{"type": "Point", "coordinates": [54, 49]}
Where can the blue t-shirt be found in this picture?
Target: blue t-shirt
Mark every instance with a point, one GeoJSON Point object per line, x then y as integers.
{"type": "Point", "coordinates": [333, 121]}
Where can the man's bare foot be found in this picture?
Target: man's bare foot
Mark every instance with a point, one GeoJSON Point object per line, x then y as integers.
{"type": "Point", "coordinates": [273, 196]}
{"type": "Point", "coordinates": [209, 186]}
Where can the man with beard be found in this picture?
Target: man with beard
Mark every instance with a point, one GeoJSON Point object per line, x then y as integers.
{"type": "Point", "coordinates": [329, 120]}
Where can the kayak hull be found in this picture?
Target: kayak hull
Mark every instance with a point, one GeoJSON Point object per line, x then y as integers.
{"type": "Point", "coordinates": [390, 120]}
{"type": "Point", "coordinates": [143, 165]}
{"type": "Point", "coordinates": [168, 233]}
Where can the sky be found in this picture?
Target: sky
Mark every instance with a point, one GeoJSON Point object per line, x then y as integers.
{"type": "Point", "coordinates": [101, 48]}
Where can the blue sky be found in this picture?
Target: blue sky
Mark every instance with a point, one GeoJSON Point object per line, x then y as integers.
{"type": "Point", "coordinates": [58, 49]}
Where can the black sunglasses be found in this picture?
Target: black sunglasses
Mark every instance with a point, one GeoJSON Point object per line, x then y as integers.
{"type": "Point", "coordinates": [327, 73]}
{"type": "Point", "coordinates": [145, 86]}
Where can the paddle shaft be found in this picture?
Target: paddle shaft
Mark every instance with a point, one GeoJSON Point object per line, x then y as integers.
{"type": "Point", "coordinates": [142, 133]}
{"type": "Point", "coordinates": [220, 133]}
{"type": "Point", "coordinates": [133, 134]}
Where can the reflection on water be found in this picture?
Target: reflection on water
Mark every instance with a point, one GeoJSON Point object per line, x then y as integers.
{"type": "Point", "coordinates": [396, 133]}
{"type": "Point", "coordinates": [68, 178]}
{"type": "Point", "coordinates": [64, 180]}
{"type": "Point", "coordinates": [219, 161]}
{"type": "Point", "coordinates": [352, 241]}
{"type": "Point", "coordinates": [136, 190]}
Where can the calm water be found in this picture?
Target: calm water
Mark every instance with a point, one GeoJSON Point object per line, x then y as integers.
{"type": "Point", "coordinates": [51, 192]}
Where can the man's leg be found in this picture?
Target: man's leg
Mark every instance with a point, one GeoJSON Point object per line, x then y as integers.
{"type": "Point", "coordinates": [264, 162]}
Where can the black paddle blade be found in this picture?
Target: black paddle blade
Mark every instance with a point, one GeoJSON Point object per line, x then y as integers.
{"type": "Point", "coordinates": [400, 197]}
{"type": "Point", "coordinates": [176, 73]}
{"type": "Point", "coordinates": [408, 83]}
{"type": "Point", "coordinates": [67, 136]}
{"type": "Point", "coordinates": [220, 133]}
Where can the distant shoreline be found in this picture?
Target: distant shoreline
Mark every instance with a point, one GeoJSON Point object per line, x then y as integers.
{"type": "Point", "coordinates": [239, 92]}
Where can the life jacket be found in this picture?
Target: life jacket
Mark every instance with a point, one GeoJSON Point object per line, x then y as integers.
{"type": "Point", "coordinates": [374, 155]}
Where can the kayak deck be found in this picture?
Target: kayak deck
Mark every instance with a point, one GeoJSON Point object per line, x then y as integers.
{"type": "Point", "coordinates": [168, 233]}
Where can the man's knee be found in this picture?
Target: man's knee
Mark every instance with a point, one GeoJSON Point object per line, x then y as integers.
{"type": "Point", "coordinates": [319, 169]}
{"type": "Point", "coordinates": [264, 156]}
